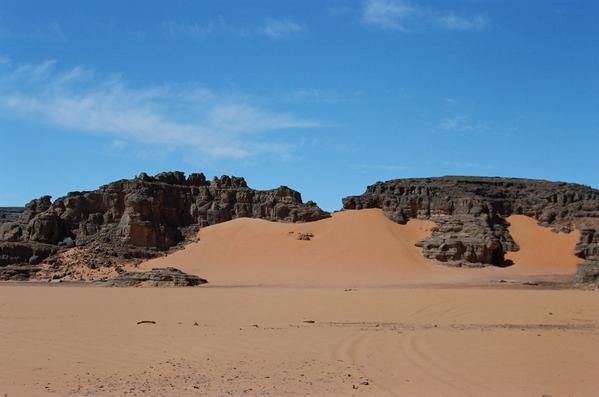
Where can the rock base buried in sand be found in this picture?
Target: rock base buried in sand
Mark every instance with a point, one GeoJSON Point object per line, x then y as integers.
{"type": "Point", "coordinates": [470, 213]}
{"type": "Point", "coordinates": [157, 277]}
{"type": "Point", "coordinates": [139, 218]}
{"type": "Point", "coordinates": [587, 272]}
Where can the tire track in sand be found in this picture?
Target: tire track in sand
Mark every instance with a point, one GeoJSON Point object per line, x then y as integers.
{"type": "Point", "coordinates": [354, 350]}
{"type": "Point", "coordinates": [417, 351]}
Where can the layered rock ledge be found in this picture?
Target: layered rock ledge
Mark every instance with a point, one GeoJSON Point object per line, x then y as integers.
{"type": "Point", "coordinates": [157, 277]}
{"type": "Point", "coordinates": [10, 214]}
{"type": "Point", "coordinates": [470, 213]}
{"type": "Point", "coordinates": [587, 272]}
{"type": "Point", "coordinates": [138, 218]}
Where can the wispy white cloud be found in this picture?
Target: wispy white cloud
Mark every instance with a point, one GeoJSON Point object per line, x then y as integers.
{"type": "Point", "coordinates": [403, 15]}
{"type": "Point", "coordinates": [451, 21]}
{"type": "Point", "coordinates": [197, 29]}
{"type": "Point", "coordinates": [50, 31]}
{"type": "Point", "coordinates": [389, 14]}
{"type": "Point", "coordinates": [55, 31]}
{"type": "Point", "coordinates": [33, 73]}
{"type": "Point", "coordinates": [451, 101]}
{"type": "Point", "coordinates": [280, 28]}
{"type": "Point", "coordinates": [174, 116]}
{"type": "Point", "coordinates": [270, 27]}
{"type": "Point", "coordinates": [459, 123]}
{"type": "Point", "coordinates": [462, 124]}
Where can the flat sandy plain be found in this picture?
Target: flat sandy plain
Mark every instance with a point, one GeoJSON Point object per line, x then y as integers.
{"type": "Point", "coordinates": [356, 311]}
{"type": "Point", "coordinates": [260, 341]}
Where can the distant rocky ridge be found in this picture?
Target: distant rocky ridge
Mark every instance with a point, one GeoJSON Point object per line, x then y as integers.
{"type": "Point", "coordinates": [136, 218]}
{"type": "Point", "coordinates": [131, 220]}
{"type": "Point", "coordinates": [470, 212]}
{"type": "Point", "coordinates": [9, 214]}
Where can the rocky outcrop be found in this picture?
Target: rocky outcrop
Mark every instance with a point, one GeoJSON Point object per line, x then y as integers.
{"type": "Point", "coordinates": [157, 277]}
{"type": "Point", "coordinates": [470, 212]}
{"type": "Point", "coordinates": [587, 272]}
{"type": "Point", "coordinates": [18, 272]}
{"type": "Point", "coordinates": [588, 245]}
{"type": "Point", "coordinates": [141, 217]}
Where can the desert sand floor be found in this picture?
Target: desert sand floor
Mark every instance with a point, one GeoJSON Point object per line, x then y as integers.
{"type": "Point", "coordinates": [357, 248]}
{"type": "Point", "coordinates": [297, 325]}
{"type": "Point", "coordinates": [275, 341]}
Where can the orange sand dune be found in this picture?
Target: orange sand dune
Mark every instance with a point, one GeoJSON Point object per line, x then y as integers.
{"type": "Point", "coordinates": [542, 250]}
{"type": "Point", "coordinates": [361, 247]}
{"type": "Point", "coordinates": [352, 248]}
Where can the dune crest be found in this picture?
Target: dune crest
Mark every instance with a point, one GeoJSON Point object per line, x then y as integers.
{"type": "Point", "coordinates": [354, 247]}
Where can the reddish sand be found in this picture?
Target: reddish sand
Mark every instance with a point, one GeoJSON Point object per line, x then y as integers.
{"type": "Point", "coordinates": [281, 341]}
{"type": "Point", "coordinates": [255, 341]}
{"type": "Point", "coordinates": [353, 248]}
{"type": "Point", "coordinates": [541, 249]}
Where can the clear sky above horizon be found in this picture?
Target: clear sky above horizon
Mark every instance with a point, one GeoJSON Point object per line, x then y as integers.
{"type": "Point", "coordinates": [326, 97]}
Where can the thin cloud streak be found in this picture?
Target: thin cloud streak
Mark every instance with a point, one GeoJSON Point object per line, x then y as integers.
{"type": "Point", "coordinates": [452, 21]}
{"type": "Point", "coordinates": [272, 28]}
{"type": "Point", "coordinates": [51, 31]}
{"type": "Point", "coordinates": [404, 16]}
{"type": "Point", "coordinates": [280, 28]}
{"type": "Point", "coordinates": [388, 14]}
{"type": "Point", "coordinates": [213, 124]}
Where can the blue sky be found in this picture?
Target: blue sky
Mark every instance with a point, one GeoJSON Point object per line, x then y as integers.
{"type": "Point", "coordinates": [324, 96]}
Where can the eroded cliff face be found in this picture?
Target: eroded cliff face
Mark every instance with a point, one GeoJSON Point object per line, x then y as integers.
{"type": "Point", "coordinates": [136, 218]}
{"type": "Point", "coordinates": [129, 220]}
{"type": "Point", "coordinates": [470, 212]}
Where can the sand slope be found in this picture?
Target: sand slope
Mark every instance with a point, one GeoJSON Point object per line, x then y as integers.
{"type": "Point", "coordinates": [361, 247]}
{"type": "Point", "coordinates": [353, 248]}
{"type": "Point", "coordinates": [542, 250]}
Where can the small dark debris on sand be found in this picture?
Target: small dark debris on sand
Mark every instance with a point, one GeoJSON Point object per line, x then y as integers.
{"type": "Point", "coordinates": [305, 236]}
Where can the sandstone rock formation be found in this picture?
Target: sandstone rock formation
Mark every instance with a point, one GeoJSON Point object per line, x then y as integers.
{"type": "Point", "coordinates": [129, 220]}
{"type": "Point", "coordinates": [470, 212]}
{"type": "Point", "coordinates": [588, 272]}
{"type": "Point", "coordinates": [9, 214]}
{"type": "Point", "coordinates": [157, 277]}
{"type": "Point", "coordinates": [140, 217]}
